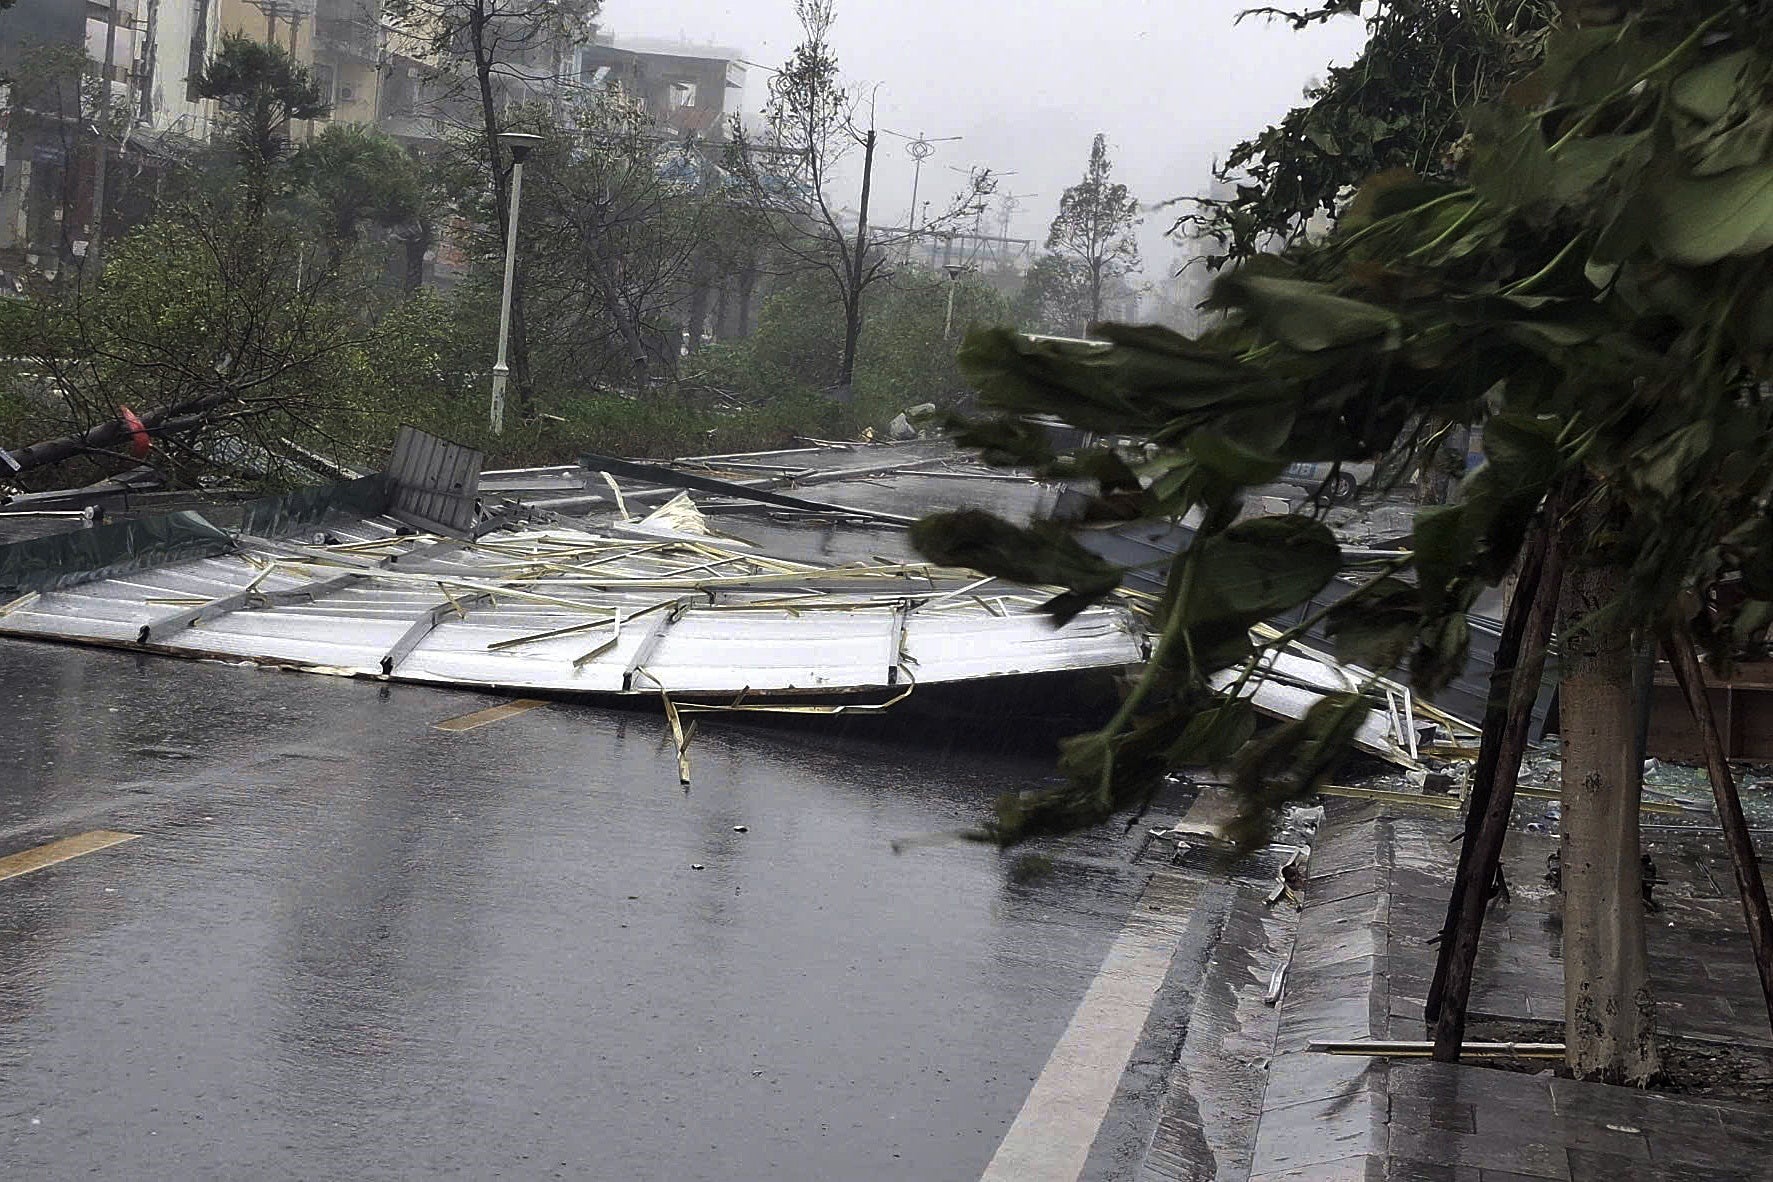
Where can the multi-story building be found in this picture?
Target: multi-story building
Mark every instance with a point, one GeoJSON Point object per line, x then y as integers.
{"type": "Point", "coordinates": [369, 69]}
{"type": "Point", "coordinates": [685, 89]}
{"type": "Point", "coordinates": [56, 52]}
{"type": "Point", "coordinates": [148, 51]}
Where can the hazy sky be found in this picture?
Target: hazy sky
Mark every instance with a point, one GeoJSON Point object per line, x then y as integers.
{"type": "Point", "coordinates": [1027, 84]}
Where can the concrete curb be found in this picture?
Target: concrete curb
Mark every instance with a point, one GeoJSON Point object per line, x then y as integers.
{"type": "Point", "coordinates": [1323, 1117]}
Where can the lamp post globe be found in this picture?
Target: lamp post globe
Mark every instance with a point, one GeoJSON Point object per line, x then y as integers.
{"type": "Point", "coordinates": [520, 144]}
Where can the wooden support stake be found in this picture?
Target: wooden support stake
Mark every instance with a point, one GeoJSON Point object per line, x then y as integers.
{"type": "Point", "coordinates": [1677, 642]}
{"type": "Point", "coordinates": [1514, 685]}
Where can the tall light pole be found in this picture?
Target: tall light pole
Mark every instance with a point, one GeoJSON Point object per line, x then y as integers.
{"type": "Point", "coordinates": [920, 149]}
{"type": "Point", "coordinates": [520, 144]}
{"type": "Point", "coordinates": [955, 271]}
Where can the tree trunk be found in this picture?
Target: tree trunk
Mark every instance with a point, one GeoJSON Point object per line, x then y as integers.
{"type": "Point", "coordinates": [852, 296]}
{"type": "Point", "coordinates": [852, 336]}
{"type": "Point", "coordinates": [1609, 1012]}
{"type": "Point", "coordinates": [627, 326]}
{"type": "Point", "coordinates": [113, 432]}
{"type": "Point", "coordinates": [747, 293]}
{"type": "Point", "coordinates": [413, 276]}
{"type": "Point", "coordinates": [721, 305]}
{"type": "Point", "coordinates": [701, 276]}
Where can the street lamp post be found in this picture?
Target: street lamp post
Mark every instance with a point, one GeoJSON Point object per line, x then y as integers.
{"type": "Point", "coordinates": [520, 144]}
{"type": "Point", "coordinates": [955, 271]}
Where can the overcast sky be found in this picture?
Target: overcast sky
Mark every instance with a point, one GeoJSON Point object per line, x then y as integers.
{"type": "Point", "coordinates": [1172, 84]}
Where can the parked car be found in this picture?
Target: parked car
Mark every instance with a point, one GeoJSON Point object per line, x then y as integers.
{"type": "Point", "coordinates": [1335, 483]}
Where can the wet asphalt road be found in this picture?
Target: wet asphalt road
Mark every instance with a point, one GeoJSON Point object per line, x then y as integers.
{"type": "Point", "coordinates": [349, 945]}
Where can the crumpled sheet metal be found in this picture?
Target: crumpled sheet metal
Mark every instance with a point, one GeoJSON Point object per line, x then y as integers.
{"type": "Point", "coordinates": [528, 609]}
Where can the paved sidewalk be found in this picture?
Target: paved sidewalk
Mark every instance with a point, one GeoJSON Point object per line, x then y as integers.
{"type": "Point", "coordinates": [1380, 877]}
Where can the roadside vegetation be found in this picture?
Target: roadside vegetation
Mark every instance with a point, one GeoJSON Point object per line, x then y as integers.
{"type": "Point", "coordinates": [280, 297]}
{"type": "Point", "coordinates": [1566, 238]}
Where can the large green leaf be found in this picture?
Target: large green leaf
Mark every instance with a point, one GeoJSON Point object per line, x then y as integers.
{"type": "Point", "coordinates": [1306, 316]}
{"type": "Point", "coordinates": [1212, 737]}
{"type": "Point", "coordinates": [1703, 219]}
{"type": "Point", "coordinates": [1673, 462]}
{"type": "Point", "coordinates": [1259, 568]}
{"type": "Point", "coordinates": [1741, 144]}
{"type": "Point", "coordinates": [1040, 555]}
{"type": "Point", "coordinates": [1376, 628]}
{"type": "Point", "coordinates": [1708, 90]}
{"type": "Point", "coordinates": [1510, 164]}
{"type": "Point", "coordinates": [1440, 540]}
{"type": "Point", "coordinates": [1587, 161]}
{"type": "Point", "coordinates": [1233, 460]}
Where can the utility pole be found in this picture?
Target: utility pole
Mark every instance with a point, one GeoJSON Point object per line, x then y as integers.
{"type": "Point", "coordinates": [1012, 202]}
{"type": "Point", "coordinates": [919, 149]}
{"type": "Point", "coordinates": [852, 329]}
{"type": "Point", "coordinates": [95, 239]}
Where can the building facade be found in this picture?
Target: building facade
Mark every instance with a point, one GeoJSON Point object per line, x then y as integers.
{"type": "Point", "coordinates": [685, 89]}
{"type": "Point", "coordinates": [55, 116]}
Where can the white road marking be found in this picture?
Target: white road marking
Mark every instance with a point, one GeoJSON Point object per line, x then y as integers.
{"type": "Point", "coordinates": [1051, 1137]}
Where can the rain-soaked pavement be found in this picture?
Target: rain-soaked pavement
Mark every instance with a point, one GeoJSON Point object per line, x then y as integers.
{"type": "Point", "coordinates": [348, 944]}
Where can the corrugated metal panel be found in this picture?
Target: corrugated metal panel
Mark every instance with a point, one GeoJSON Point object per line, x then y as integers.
{"type": "Point", "coordinates": [435, 481]}
{"type": "Point", "coordinates": [537, 609]}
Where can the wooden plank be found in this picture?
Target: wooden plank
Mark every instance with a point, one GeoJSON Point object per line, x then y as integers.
{"type": "Point", "coordinates": [480, 718]}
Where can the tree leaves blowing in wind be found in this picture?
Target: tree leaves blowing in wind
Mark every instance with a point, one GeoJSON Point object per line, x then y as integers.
{"type": "Point", "coordinates": [1599, 284]}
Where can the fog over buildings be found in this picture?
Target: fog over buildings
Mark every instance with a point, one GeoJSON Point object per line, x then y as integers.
{"type": "Point", "coordinates": [1026, 86]}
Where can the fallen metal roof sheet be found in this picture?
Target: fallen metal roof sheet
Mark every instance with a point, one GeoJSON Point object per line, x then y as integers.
{"type": "Point", "coordinates": [614, 610]}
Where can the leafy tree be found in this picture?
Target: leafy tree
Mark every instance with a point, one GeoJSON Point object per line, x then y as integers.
{"type": "Point", "coordinates": [1094, 226]}
{"type": "Point", "coordinates": [1054, 297]}
{"type": "Point", "coordinates": [488, 55]}
{"type": "Point", "coordinates": [1598, 289]}
{"type": "Point", "coordinates": [262, 88]}
{"type": "Point", "coordinates": [1400, 104]}
{"type": "Point", "coordinates": [209, 321]}
{"type": "Point", "coordinates": [615, 241]}
{"type": "Point", "coordinates": [811, 128]}
{"type": "Point", "coordinates": [358, 176]}
{"type": "Point", "coordinates": [902, 359]}
{"type": "Point", "coordinates": [798, 341]}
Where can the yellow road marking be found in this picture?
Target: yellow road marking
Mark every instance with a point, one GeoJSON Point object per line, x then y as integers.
{"type": "Point", "coordinates": [468, 722]}
{"type": "Point", "coordinates": [61, 850]}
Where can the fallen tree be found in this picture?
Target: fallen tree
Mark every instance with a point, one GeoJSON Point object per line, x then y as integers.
{"type": "Point", "coordinates": [111, 434]}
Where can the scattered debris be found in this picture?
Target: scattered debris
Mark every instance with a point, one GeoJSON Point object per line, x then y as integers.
{"type": "Point", "coordinates": [1404, 1049]}
{"type": "Point", "coordinates": [417, 578]}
